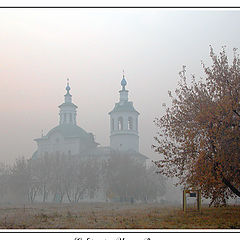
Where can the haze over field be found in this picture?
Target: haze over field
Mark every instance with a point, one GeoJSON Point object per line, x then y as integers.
{"type": "Point", "coordinates": [41, 48]}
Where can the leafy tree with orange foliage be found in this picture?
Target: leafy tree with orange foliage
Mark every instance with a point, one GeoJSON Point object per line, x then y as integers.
{"type": "Point", "coordinates": [199, 135]}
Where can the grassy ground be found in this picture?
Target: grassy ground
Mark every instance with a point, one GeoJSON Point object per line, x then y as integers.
{"type": "Point", "coordinates": [116, 216]}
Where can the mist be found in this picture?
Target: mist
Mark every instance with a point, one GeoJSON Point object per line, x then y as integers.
{"type": "Point", "coordinates": [41, 48]}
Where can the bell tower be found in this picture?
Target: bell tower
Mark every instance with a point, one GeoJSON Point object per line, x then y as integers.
{"type": "Point", "coordinates": [124, 123]}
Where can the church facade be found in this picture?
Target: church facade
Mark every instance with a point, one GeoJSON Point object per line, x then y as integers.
{"type": "Point", "coordinates": [69, 139]}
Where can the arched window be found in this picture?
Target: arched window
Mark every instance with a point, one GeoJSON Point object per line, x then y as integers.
{"type": "Point", "coordinates": [112, 124]}
{"type": "Point", "coordinates": [70, 117]}
{"type": "Point", "coordinates": [130, 123]}
{"type": "Point", "coordinates": [65, 117]}
{"type": "Point", "coordinates": [120, 123]}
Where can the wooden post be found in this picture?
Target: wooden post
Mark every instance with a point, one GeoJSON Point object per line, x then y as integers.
{"type": "Point", "coordinates": [184, 200]}
{"type": "Point", "coordinates": [199, 200]}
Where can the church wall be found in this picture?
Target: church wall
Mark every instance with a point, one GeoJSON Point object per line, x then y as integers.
{"type": "Point", "coordinates": [57, 143]}
{"type": "Point", "coordinates": [70, 145]}
{"type": "Point", "coordinates": [126, 138]}
{"type": "Point", "coordinates": [81, 146]}
{"type": "Point", "coordinates": [124, 142]}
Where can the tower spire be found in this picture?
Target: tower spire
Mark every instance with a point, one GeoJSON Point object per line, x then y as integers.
{"type": "Point", "coordinates": [123, 82]}
{"type": "Point", "coordinates": [68, 87]}
{"type": "Point", "coordinates": [123, 92]}
{"type": "Point", "coordinates": [68, 109]}
{"type": "Point", "coordinates": [68, 96]}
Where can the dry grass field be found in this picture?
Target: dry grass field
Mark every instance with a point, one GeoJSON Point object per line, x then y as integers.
{"type": "Point", "coordinates": [116, 216]}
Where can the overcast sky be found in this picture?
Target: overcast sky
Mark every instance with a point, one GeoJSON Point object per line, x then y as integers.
{"type": "Point", "coordinates": [41, 48]}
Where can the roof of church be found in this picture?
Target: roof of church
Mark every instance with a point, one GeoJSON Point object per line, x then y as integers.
{"type": "Point", "coordinates": [124, 107]}
{"type": "Point", "coordinates": [70, 130]}
{"type": "Point", "coordinates": [34, 156]}
{"type": "Point", "coordinates": [67, 104]}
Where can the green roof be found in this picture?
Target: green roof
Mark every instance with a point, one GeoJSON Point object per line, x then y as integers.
{"type": "Point", "coordinates": [68, 104]}
{"type": "Point", "coordinates": [34, 156]}
{"type": "Point", "coordinates": [124, 107]}
{"type": "Point", "coordinates": [70, 130]}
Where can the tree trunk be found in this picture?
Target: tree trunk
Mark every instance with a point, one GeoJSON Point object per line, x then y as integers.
{"type": "Point", "coordinates": [68, 196]}
{"type": "Point", "coordinates": [44, 193]}
{"type": "Point", "coordinates": [228, 184]}
{"type": "Point", "coordinates": [224, 180]}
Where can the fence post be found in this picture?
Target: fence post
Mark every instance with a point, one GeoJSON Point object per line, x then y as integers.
{"type": "Point", "coordinates": [199, 200]}
{"type": "Point", "coordinates": [184, 200]}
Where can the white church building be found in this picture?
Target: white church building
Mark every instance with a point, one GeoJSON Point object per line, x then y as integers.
{"type": "Point", "coordinates": [70, 139]}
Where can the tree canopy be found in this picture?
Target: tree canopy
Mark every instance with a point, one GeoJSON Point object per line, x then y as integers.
{"type": "Point", "coordinates": [128, 178]}
{"type": "Point", "coordinates": [199, 135]}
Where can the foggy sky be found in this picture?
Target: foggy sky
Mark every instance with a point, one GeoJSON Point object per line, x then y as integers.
{"type": "Point", "coordinates": [41, 48]}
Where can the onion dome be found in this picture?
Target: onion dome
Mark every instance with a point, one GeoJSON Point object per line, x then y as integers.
{"type": "Point", "coordinates": [123, 83]}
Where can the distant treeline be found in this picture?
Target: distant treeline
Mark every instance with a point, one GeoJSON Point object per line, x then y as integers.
{"type": "Point", "coordinates": [71, 179]}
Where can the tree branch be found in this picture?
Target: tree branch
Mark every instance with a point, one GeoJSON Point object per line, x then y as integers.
{"type": "Point", "coordinates": [236, 113]}
{"type": "Point", "coordinates": [228, 184]}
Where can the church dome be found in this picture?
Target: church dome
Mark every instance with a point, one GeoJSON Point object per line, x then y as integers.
{"type": "Point", "coordinates": [70, 130]}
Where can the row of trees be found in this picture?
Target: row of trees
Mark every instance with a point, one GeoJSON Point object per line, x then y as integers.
{"type": "Point", "coordinates": [49, 179]}
{"type": "Point", "coordinates": [71, 179]}
{"type": "Point", "coordinates": [199, 135]}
